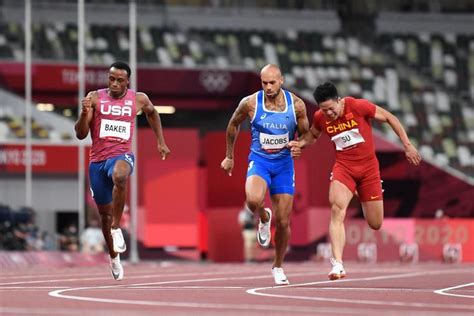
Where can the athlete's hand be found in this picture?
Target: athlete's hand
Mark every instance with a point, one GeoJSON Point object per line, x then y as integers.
{"type": "Point", "coordinates": [296, 148]}
{"type": "Point", "coordinates": [163, 150]}
{"type": "Point", "coordinates": [413, 156]}
{"type": "Point", "coordinates": [227, 164]}
{"type": "Point", "coordinates": [86, 105]}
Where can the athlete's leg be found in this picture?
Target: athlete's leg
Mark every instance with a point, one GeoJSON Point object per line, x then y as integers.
{"type": "Point", "coordinates": [120, 175]}
{"type": "Point", "coordinates": [339, 198]}
{"type": "Point", "coordinates": [373, 212]}
{"type": "Point", "coordinates": [282, 205]}
{"type": "Point", "coordinates": [255, 189]}
{"type": "Point", "coordinates": [371, 197]}
{"type": "Point", "coordinates": [101, 188]}
{"type": "Point", "coordinates": [105, 212]}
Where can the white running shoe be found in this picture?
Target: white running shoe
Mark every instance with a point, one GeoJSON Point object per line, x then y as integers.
{"type": "Point", "coordinates": [116, 268]}
{"type": "Point", "coordinates": [119, 242]}
{"type": "Point", "coordinates": [264, 235]}
{"type": "Point", "coordinates": [337, 271]}
{"type": "Point", "coordinates": [279, 276]}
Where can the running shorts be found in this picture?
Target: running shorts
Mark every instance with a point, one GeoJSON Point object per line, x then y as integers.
{"type": "Point", "coordinates": [100, 177]}
{"type": "Point", "coordinates": [279, 174]}
{"type": "Point", "coordinates": [363, 177]}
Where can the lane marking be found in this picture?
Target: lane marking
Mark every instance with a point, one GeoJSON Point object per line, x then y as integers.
{"type": "Point", "coordinates": [443, 291]}
{"type": "Point", "coordinates": [248, 307]}
{"type": "Point", "coordinates": [32, 287]}
{"type": "Point", "coordinates": [255, 291]}
{"type": "Point", "coordinates": [109, 278]}
{"type": "Point", "coordinates": [186, 287]}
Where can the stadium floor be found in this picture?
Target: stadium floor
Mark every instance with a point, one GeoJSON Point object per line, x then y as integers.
{"type": "Point", "coordinates": [169, 288]}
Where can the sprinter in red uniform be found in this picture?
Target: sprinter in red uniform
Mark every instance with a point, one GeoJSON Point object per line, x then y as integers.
{"type": "Point", "coordinates": [109, 115]}
{"type": "Point", "coordinates": [347, 123]}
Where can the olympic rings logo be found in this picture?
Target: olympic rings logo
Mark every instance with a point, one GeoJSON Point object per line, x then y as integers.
{"type": "Point", "coordinates": [215, 81]}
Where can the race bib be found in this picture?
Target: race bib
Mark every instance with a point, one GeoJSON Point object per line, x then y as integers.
{"type": "Point", "coordinates": [115, 130]}
{"type": "Point", "coordinates": [347, 139]}
{"type": "Point", "coordinates": [273, 142]}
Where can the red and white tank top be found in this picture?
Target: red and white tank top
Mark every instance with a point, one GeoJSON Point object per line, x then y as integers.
{"type": "Point", "coordinates": [112, 126]}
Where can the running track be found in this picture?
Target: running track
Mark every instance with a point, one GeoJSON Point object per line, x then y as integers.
{"type": "Point", "coordinates": [169, 288]}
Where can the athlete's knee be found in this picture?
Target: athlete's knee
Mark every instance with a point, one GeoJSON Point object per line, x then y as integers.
{"type": "Point", "coordinates": [120, 179]}
{"type": "Point", "coordinates": [375, 225]}
{"type": "Point", "coordinates": [338, 213]}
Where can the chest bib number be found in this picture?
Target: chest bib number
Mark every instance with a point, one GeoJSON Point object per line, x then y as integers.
{"type": "Point", "coordinates": [347, 139]}
{"type": "Point", "coordinates": [115, 130]}
{"type": "Point", "coordinates": [273, 142]}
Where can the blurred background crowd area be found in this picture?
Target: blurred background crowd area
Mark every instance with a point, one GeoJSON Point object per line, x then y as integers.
{"type": "Point", "coordinates": [18, 231]}
{"type": "Point", "coordinates": [414, 58]}
{"type": "Point", "coordinates": [421, 70]}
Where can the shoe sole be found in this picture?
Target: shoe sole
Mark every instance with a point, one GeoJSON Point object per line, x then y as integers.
{"type": "Point", "coordinates": [335, 276]}
{"type": "Point", "coordinates": [283, 283]}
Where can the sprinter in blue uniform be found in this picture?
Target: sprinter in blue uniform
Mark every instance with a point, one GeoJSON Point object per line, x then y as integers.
{"type": "Point", "coordinates": [275, 115]}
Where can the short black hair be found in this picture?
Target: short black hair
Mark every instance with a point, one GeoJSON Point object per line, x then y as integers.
{"type": "Point", "coordinates": [123, 66]}
{"type": "Point", "coordinates": [325, 91]}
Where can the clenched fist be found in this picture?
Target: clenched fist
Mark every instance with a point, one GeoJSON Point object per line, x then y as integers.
{"type": "Point", "coordinates": [86, 105]}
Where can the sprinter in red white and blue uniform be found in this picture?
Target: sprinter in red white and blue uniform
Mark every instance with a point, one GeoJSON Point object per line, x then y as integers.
{"type": "Point", "coordinates": [109, 115]}
{"type": "Point", "coordinates": [275, 115]}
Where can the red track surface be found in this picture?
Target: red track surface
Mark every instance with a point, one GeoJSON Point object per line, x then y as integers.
{"type": "Point", "coordinates": [238, 289]}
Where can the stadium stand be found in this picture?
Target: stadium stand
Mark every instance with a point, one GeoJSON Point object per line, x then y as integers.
{"type": "Point", "coordinates": [431, 76]}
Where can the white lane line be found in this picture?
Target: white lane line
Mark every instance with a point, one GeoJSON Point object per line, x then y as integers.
{"type": "Point", "coordinates": [247, 307]}
{"type": "Point", "coordinates": [255, 291]}
{"type": "Point", "coordinates": [443, 291]}
{"type": "Point", "coordinates": [109, 277]}
{"type": "Point", "coordinates": [185, 287]}
{"type": "Point", "coordinates": [32, 287]}
{"type": "Point", "coordinates": [365, 289]}
{"type": "Point", "coordinates": [69, 311]}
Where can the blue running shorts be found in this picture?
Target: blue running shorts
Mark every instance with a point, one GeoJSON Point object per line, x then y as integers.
{"type": "Point", "coordinates": [100, 177]}
{"type": "Point", "coordinates": [278, 173]}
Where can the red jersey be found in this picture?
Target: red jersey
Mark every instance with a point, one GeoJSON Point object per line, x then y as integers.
{"type": "Point", "coordinates": [351, 133]}
{"type": "Point", "coordinates": [112, 125]}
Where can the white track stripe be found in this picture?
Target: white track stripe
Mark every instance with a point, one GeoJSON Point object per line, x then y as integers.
{"type": "Point", "coordinates": [185, 287]}
{"type": "Point", "coordinates": [32, 287]}
{"type": "Point", "coordinates": [109, 278]}
{"type": "Point", "coordinates": [255, 291]}
{"type": "Point", "coordinates": [443, 291]}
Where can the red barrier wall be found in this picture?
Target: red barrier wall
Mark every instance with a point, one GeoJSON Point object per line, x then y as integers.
{"type": "Point", "coordinates": [430, 235]}
{"type": "Point", "coordinates": [169, 189]}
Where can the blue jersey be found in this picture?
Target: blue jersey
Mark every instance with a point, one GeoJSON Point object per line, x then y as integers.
{"type": "Point", "coordinates": [273, 130]}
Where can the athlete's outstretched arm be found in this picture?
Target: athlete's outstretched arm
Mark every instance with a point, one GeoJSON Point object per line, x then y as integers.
{"type": "Point", "coordinates": [82, 125]}
{"type": "Point", "coordinates": [411, 153]}
{"type": "Point", "coordinates": [302, 126]}
{"type": "Point", "coordinates": [153, 118]}
{"type": "Point", "coordinates": [307, 139]}
{"type": "Point", "coordinates": [240, 114]}
{"type": "Point", "coordinates": [301, 117]}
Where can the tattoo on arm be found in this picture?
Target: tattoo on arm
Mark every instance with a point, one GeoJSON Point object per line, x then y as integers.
{"type": "Point", "coordinates": [233, 127]}
{"type": "Point", "coordinates": [301, 117]}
